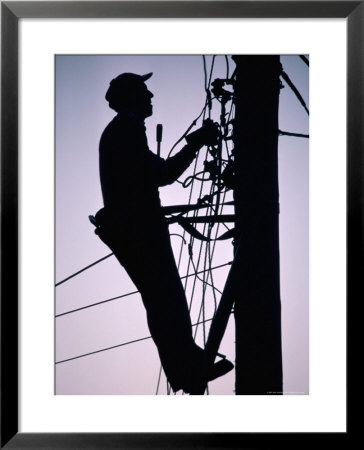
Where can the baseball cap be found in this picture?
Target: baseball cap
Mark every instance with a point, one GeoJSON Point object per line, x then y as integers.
{"type": "Point", "coordinates": [125, 83]}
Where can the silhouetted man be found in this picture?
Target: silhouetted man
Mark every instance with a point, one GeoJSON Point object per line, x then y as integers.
{"type": "Point", "coordinates": [132, 224]}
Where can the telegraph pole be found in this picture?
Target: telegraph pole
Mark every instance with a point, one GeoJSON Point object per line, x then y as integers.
{"type": "Point", "coordinates": [253, 283]}
{"type": "Point", "coordinates": [256, 195]}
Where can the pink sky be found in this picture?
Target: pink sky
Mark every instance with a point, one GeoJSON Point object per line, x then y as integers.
{"type": "Point", "coordinates": [81, 115]}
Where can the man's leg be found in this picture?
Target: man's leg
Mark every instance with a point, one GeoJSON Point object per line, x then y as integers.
{"type": "Point", "coordinates": [151, 266]}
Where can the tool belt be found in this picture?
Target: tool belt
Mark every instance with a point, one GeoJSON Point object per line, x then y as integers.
{"type": "Point", "coordinates": [110, 220]}
{"type": "Point", "coordinates": [106, 218]}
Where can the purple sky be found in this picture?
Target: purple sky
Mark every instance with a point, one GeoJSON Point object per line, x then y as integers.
{"type": "Point", "coordinates": [81, 115]}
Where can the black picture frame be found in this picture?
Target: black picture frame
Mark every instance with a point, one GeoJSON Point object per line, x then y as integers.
{"type": "Point", "coordinates": [11, 12]}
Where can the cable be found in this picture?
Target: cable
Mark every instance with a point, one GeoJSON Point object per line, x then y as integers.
{"type": "Point", "coordinates": [200, 176]}
{"type": "Point", "coordinates": [129, 293]}
{"type": "Point", "coordinates": [204, 288]}
{"type": "Point", "coordinates": [207, 102]}
{"type": "Point", "coordinates": [198, 263]}
{"type": "Point", "coordinates": [191, 181]}
{"type": "Point", "coordinates": [189, 202]}
{"type": "Point", "coordinates": [96, 304]}
{"type": "Point", "coordinates": [159, 380]}
{"type": "Point", "coordinates": [227, 67]}
{"type": "Point", "coordinates": [191, 190]}
{"type": "Point", "coordinates": [208, 94]}
{"type": "Point", "coordinates": [211, 70]}
{"type": "Point", "coordinates": [213, 251]}
{"type": "Point", "coordinates": [103, 350]}
{"type": "Point", "coordinates": [201, 245]}
{"type": "Point", "coordinates": [208, 269]}
{"type": "Point", "coordinates": [179, 235]}
{"type": "Point", "coordinates": [210, 258]}
{"type": "Point", "coordinates": [305, 60]}
{"type": "Point", "coordinates": [206, 252]}
{"type": "Point", "coordinates": [295, 90]}
{"type": "Point", "coordinates": [286, 133]}
{"type": "Point", "coordinates": [112, 347]}
{"type": "Point", "coordinates": [202, 280]}
{"type": "Point", "coordinates": [82, 270]}
{"type": "Point", "coordinates": [204, 71]}
{"type": "Point", "coordinates": [194, 122]}
{"type": "Point", "coordinates": [212, 280]}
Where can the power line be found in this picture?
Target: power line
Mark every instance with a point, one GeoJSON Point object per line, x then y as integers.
{"type": "Point", "coordinates": [104, 349]}
{"type": "Point", "coordinates": [295, 90]}
{"type": "Point", "coordinates": [227, 66]}
{"type": "Point", "coordinates": [115, 346]}
{"type": "Point", "coordinates": [132, 293]}
{"type": "Point", "coordinates": [159, 380]}
{"type": "Point", "coordinates": [305, 60]}
{"type": "Point", "coordinates": [202, 279]}
{"type": "Point", "coordinates": [205, 283]}
{"type": "Point", "coordinates": [102, 259]}
{"type": "Point", "coordinates": [287, 133]}
{"type": "Point", "coordinates": [98, 303]}
{"type": "Point", "coordinates": [194, 122]}
{"type": "Point", "coordinates": [195, 212]}
{"type": "Point", "coordinates": [85, 268]}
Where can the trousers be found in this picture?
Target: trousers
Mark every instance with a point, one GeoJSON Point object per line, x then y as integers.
{"type": "Point", "coordinates": [147, 256]}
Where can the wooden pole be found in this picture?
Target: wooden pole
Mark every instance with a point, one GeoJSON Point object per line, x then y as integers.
{"type": "Point", "coordinates": [256, 195]}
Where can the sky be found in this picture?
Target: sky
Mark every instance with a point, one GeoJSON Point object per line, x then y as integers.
{"type": "Point", "coordinates": [179, 94]}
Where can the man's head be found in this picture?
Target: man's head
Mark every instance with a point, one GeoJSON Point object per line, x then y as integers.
{"type": "Point", "coordinates": [128, 92]}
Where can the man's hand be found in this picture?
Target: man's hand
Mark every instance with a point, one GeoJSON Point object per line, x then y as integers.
{"type": "Point", "coordinates": [206, 135]}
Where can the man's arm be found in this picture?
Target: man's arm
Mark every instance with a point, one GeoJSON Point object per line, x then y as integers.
{"type": "Point", "coordinates": [177, 164]}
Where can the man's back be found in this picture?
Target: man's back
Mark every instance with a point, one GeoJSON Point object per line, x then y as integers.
{"type": "Point", "coordinates": [129, 172]}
